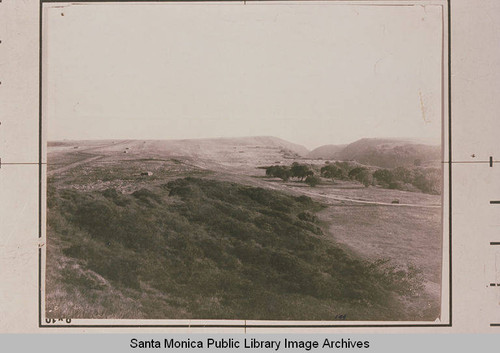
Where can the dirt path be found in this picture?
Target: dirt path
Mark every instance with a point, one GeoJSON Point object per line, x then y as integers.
{"type": "Point", "coordinates": [315, 194]}
{"type": "Point", "coordinates": [73, 165]}
{"type": "Point", "coordinates": [107, 145]}
{"type": "Point", "coordinates": [86, 160]}
{"type": "Point", "coordinates": [346, 199]}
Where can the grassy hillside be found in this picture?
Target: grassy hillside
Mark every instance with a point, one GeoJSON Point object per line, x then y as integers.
{"type": "Point", "coordinates": [199, 248]}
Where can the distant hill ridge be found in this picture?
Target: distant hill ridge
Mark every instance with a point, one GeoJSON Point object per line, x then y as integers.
{"type": "Point", "coordinates": [269, 141]}
{"type": "Point", "coordinates": [381, 152]}
{"type": "Point", "coordinates": [198, 146]}
{"type": "Point", "coordinates": [326, 151]}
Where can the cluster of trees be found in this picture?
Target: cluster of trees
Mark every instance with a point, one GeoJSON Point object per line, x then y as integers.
{"type": "Point", "coordinates": [426, 180]}
{"type": "Point", "coordinates": [301, 172]}
{"type": "Point", "coordinates": [304, 173]}
{"type": "Point", "coordinates": [345, 171]}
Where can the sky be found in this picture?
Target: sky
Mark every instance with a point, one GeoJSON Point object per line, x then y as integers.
{"type": "Point", "coordinates": [312, 74]}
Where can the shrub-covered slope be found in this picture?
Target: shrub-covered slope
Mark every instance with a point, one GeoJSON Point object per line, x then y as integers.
{"type": "Point", "coordinates": [199, 248]}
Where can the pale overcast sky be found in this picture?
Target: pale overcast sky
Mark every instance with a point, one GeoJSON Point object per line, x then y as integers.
{"type": "Point", "coordinates": [312, 74]}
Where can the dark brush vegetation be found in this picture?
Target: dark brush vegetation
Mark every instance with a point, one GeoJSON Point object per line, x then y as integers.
{"type": "Point", "coordinates": [198, 248]}
{"type": "Point", "coordinates": [312, 180]}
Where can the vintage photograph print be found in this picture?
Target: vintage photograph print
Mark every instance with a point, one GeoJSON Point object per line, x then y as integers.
{"type": "Point", "coordinates": [244, 161]}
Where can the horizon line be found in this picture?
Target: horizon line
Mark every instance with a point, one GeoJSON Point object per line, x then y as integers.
{"type": "Point", "coordinates": [402, 139]}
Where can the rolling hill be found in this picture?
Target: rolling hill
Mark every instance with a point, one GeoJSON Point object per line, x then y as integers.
{"type": "Point", "coordinates": [326, 152]}
{"type": "Point", "coordinates": [385, 153]}
{"type": "Point", "coordinates": [208, 148]}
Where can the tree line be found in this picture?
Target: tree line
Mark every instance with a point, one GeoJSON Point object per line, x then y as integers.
{"type": "Point", "coordinates": [427, 180]}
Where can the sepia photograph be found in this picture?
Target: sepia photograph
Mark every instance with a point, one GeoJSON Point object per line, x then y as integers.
{"type": "Point", "coordinates": [277, 161]}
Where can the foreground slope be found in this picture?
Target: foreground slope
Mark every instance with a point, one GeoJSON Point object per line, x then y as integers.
{"type": "Point", "coordinates": [199, 248]}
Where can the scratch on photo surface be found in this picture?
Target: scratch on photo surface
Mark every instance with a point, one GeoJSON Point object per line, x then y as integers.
{"type": "Point", "coordinates": [422, 107]}
{"type": "Point", "coordinates": [375, 65]}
